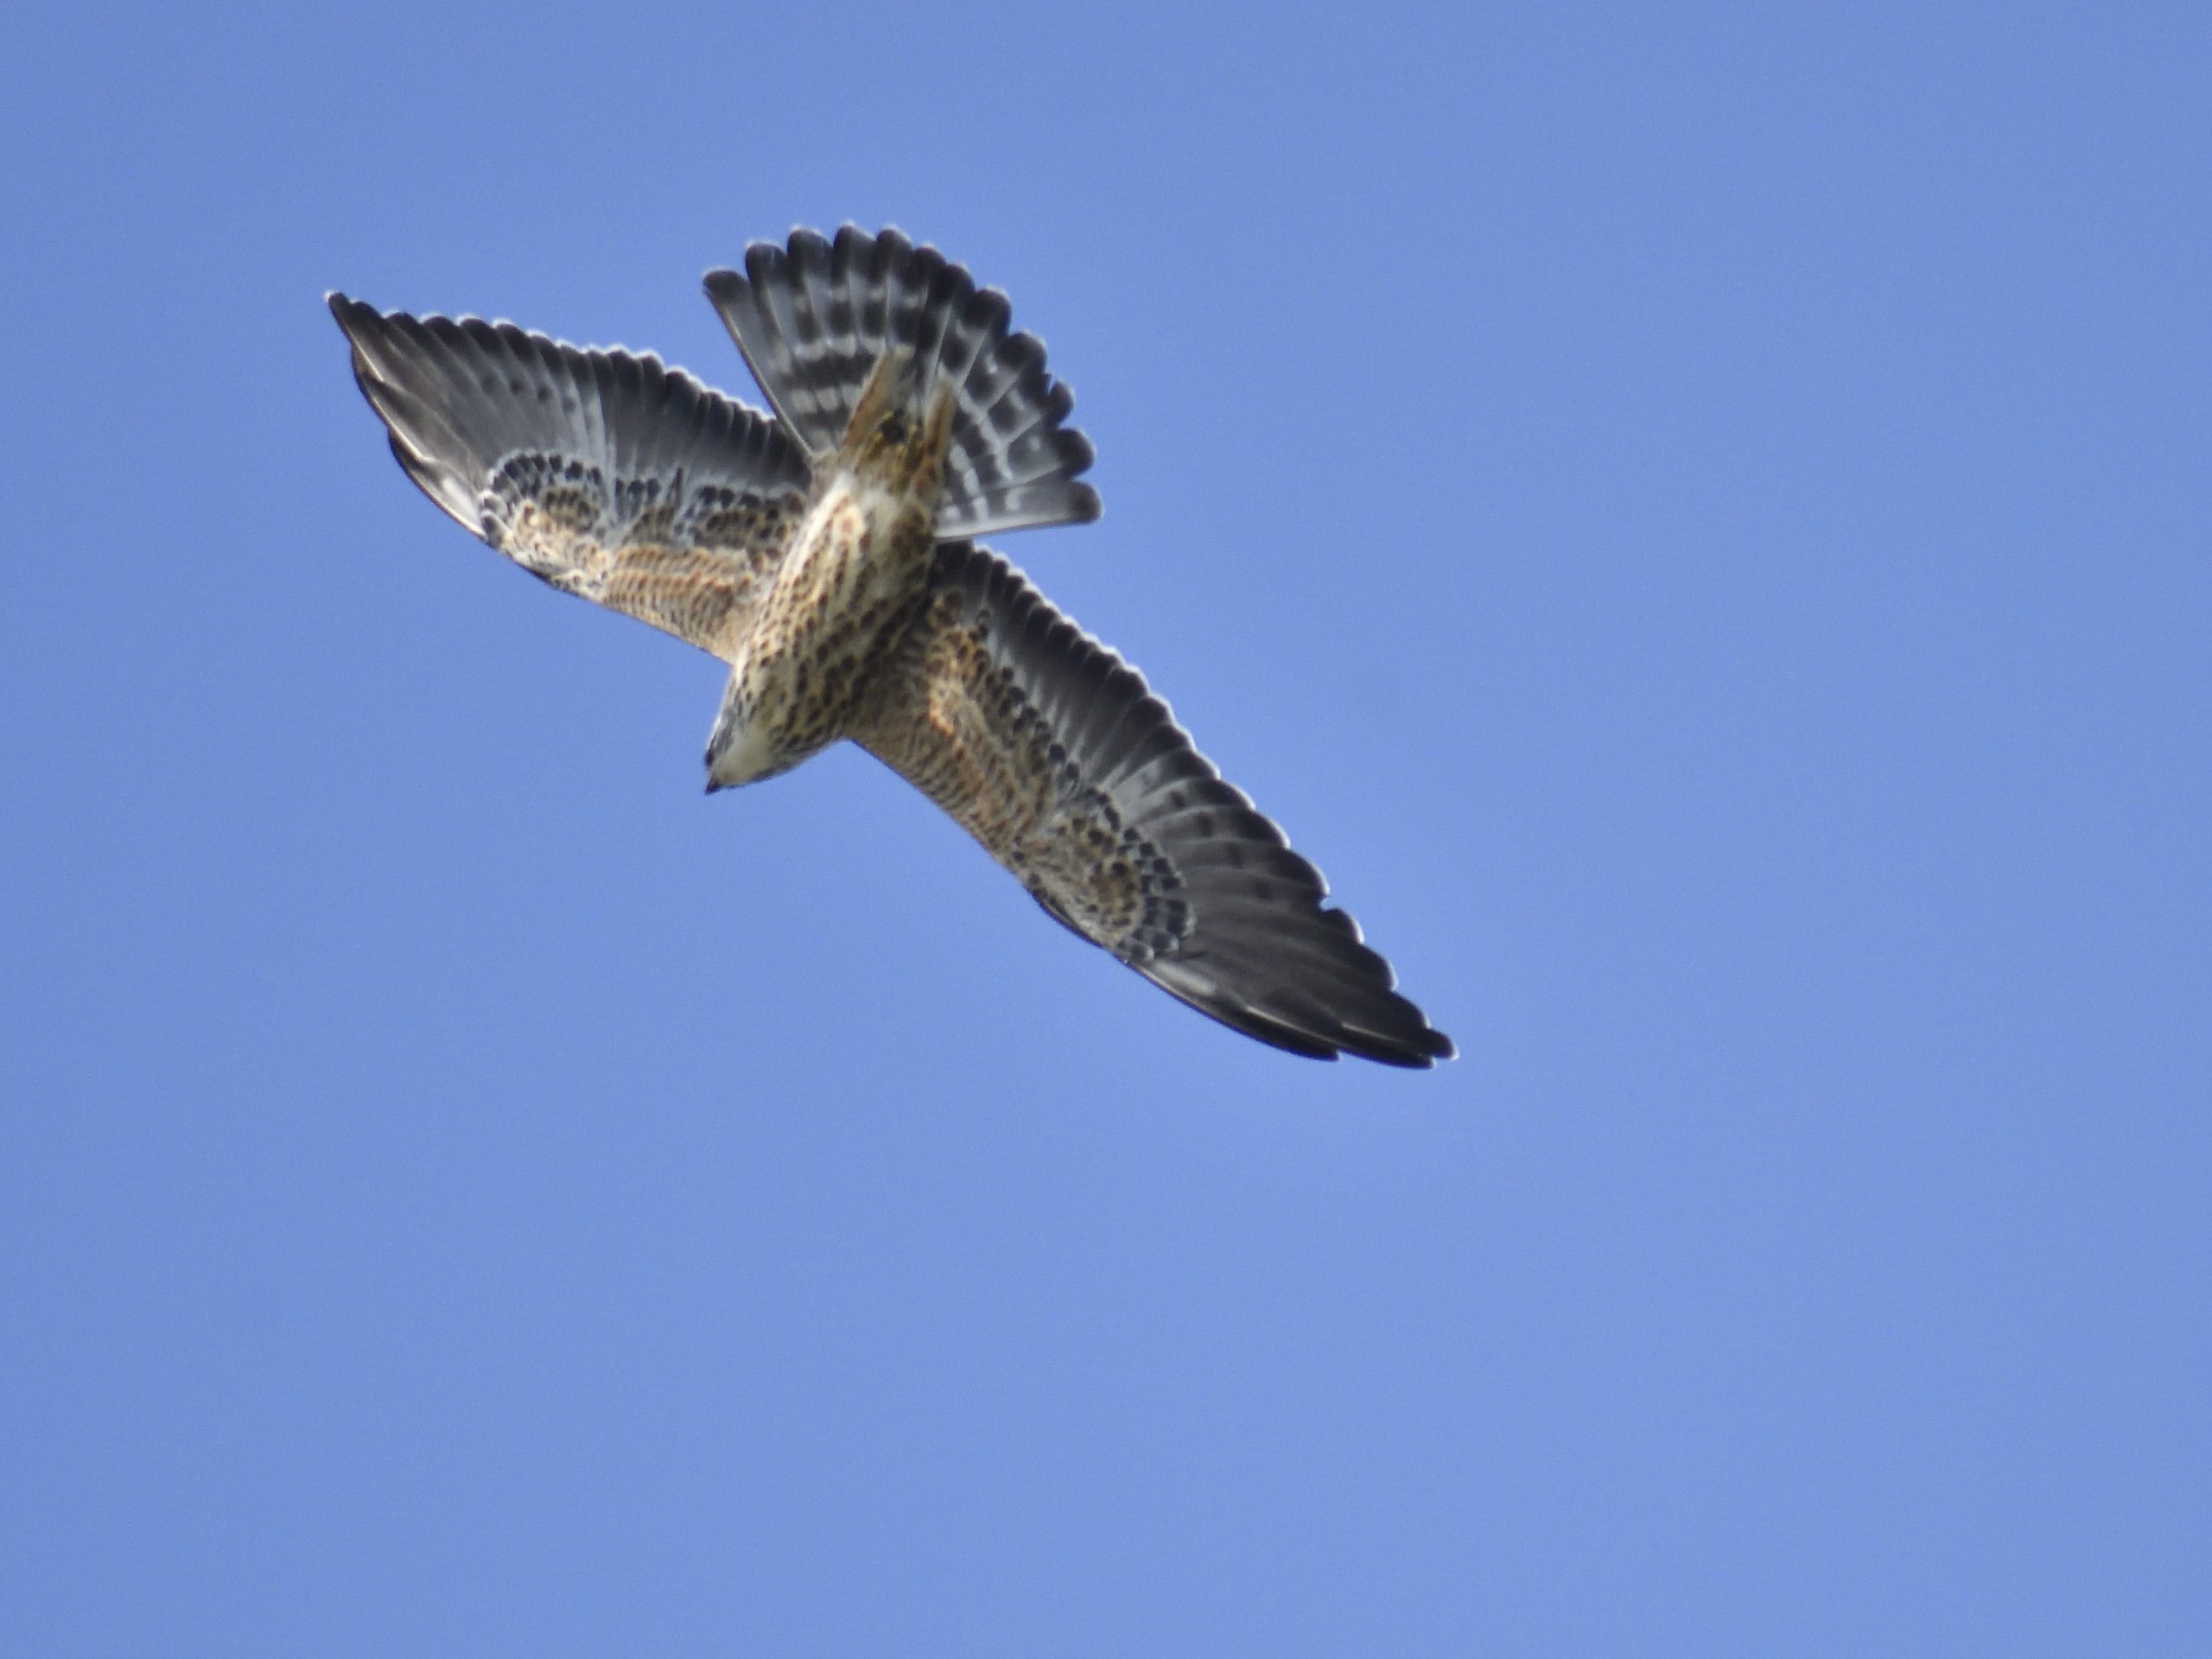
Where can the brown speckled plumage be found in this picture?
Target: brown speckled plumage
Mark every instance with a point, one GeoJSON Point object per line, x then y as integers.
{"type": "Point", "coordinates": [823, 552]}
{"type": "Point", "coordinates": [953, 720]}
{"type": "Point", "coordinates": [843, 590]}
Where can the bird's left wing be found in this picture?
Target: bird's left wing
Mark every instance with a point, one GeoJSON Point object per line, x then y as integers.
{"type": "Point", "coordinates": [1049, 749]}
{"type": "Point", "coordinates": [606, 475]}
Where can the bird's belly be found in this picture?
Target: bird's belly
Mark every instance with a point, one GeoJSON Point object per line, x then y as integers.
{"type": "Point", "coordinates": [843, 597]}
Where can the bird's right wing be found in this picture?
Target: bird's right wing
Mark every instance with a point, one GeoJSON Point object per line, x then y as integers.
{"type": "Point", "coordinates": [605, 475]}
{"type": "Point", "coordinates": [1049, 749]}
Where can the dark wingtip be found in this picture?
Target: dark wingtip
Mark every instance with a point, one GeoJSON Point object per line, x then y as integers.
{"type": "Point", "coordinates": [349, 311]}
{"type": "Point", "coordinates": [1418, 1052]}
{"type": "Point", "coordinates": [1431, 1047]}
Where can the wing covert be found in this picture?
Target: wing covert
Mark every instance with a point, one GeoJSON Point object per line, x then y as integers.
{"type": "Point", "coordinates": [605, 473]}
{"type": "Point", "coordinates": [1053, 752]}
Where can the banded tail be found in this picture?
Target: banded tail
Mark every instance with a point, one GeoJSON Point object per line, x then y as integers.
{"type": "Point", "coordinates": [814, 318]}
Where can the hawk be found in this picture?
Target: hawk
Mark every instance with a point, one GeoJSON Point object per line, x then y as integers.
{"type": "Point", "coordinates": [827, 552]}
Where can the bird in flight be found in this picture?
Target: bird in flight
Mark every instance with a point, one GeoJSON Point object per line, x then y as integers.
{"type": "Point", "coordinates": [827, 553]}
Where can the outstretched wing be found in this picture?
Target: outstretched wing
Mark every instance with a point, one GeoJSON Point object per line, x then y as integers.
{"type": "Point", "coordinates": [811, 319]}
{"type": "Point", "coordinates": [606, 475]}
{"type": "Point", "coordinates": [1049, 750]}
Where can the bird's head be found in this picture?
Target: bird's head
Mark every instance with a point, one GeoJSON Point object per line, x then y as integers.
{"type": "Point", "coordinates": [737, 753]}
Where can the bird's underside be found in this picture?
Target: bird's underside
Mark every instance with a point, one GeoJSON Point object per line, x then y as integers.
{"type": "Point", "coordinates": [826, 553]}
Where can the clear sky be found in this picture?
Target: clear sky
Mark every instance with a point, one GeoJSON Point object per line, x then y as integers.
{"type": "Point", "coordinates": [1695, 518]}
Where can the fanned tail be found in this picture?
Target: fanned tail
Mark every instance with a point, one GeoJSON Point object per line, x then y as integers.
{"type": "Point", "coordinates": [813, 319]}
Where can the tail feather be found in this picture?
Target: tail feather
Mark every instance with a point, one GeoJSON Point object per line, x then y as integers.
{"type": "Point", "coordinates": [813, 317]}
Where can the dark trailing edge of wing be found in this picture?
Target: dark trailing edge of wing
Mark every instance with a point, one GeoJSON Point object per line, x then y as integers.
{"type": "Point", "coordinates": [1243, 934]}
{"type": "Point", "coordinates": [461, 396]}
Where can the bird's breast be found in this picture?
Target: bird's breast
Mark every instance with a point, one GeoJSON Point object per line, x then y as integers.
{"type": "Point", "coordinates": [834, 610]}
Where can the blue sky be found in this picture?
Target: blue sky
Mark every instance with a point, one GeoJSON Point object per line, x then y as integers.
{"type": "Point", "coordinates": [1695, 518]}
